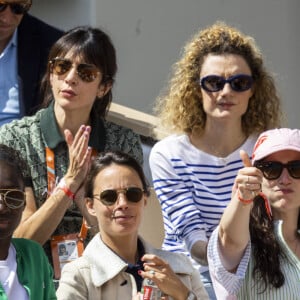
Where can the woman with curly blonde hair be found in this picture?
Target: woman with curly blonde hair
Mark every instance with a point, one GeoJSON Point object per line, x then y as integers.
{"type": "Point", "coordinates": [220, 98]}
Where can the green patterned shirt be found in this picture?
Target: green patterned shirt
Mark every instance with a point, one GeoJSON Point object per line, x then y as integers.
{"type": "Point", "coordinates": [31, 135]}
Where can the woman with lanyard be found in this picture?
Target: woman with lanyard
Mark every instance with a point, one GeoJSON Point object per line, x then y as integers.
{"type": "Point", "coordinates": [58, 141]}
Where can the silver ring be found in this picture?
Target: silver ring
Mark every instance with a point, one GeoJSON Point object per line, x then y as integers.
{"type": "Point", "coordinates": [152, 272]}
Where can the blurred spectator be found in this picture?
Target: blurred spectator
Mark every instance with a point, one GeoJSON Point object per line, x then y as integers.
{"type": "Point", "coordinates": [24, 45]}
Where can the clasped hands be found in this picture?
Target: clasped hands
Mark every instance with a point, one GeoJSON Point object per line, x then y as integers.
{"type": "Point", "coordinates": [79, 159]}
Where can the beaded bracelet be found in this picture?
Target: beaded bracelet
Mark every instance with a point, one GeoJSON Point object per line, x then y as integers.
{"type": "Point", "coordinates": [245, 201]}
{"type": "Point", "coordinates": [62, 186]}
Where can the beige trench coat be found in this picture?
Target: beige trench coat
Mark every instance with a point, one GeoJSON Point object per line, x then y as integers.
{"type": "Point", "coordinates": [100, 274]}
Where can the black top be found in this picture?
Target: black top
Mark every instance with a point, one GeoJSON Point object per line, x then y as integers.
{"type": "Point", "coordinates": [133, 269]}
{"type": "Point", "coordinates": [35, 39]}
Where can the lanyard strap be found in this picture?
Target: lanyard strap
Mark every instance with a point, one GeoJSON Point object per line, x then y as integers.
{"type": "Point", "coordinates": [51, 178]}
{"type": "Point", "coordinates": [50, 161]}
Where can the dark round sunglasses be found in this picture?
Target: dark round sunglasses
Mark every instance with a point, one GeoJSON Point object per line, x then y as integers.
{"type": "Point", "coordinates": [13, 199]}
{"type": "Point", "coordinates": [273, 169]}
{"type": "Point", "coordinates": [215, 83]}
{"type": "Point", "coordinates": [18, 8]}
{"type": "Point", "coordinates": [109, 197]}
{"type": "Point", "coordinates": [61, 66]}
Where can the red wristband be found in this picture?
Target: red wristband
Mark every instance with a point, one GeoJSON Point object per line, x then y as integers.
{"type": "Point", "coordinates": [62, 186]}
{"type": "Point", "coordinates": [245, 201]}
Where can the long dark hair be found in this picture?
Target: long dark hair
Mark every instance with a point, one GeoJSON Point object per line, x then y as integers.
{"type": "Point", "coordinates": [106, 159]}
{"type": "Point", "coordinates": [95, 47]}
{"type": "Point", "coordinates": [267, 251]}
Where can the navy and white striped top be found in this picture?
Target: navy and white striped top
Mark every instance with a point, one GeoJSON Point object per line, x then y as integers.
{"type": "Point", "coordinates": [193, 188]}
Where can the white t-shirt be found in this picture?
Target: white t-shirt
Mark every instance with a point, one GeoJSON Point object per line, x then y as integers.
{"type": "Point", "coordinates": [9, 278]}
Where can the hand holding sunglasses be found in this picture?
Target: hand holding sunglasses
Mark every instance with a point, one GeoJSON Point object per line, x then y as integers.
{"type": "Point", "coordinates": [109, 197]}
{"type": "Point", "coordinates": [273, 169]}
{"type": "Point", "coordinates": [215, 83]}
{"type": "Point", "coordinates": [61, 66]}
{"type": "Point", "coordinates": [18, 8]}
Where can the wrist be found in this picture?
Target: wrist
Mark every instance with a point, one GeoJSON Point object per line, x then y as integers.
{"type": "Point", "coordinates": [244, 201]}
{"type": "Point", "coordinates": [63, 186]}
{"type": "Point", "coordinates": [71, 183]}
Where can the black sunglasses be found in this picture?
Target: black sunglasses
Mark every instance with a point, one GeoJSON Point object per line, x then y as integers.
{"type": "Point", "coordinates": [273, 169]}
{"type": "Point", "coordinates": [238, 83]}
{"type": "Point", "coordinates": [61, 66]}
{"type": "Point", "coordinates": [13, 199]}
{"type": "Point", "coordinates": [109, 197]}
{"type": "Point", "coordinates": [18, 8]}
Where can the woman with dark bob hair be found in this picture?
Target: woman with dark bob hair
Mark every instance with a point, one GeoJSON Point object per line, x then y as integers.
{"type": "Point", "coordinates": [117, 259]}
{"type": "Point", "coordinates": [220, 97]}
{"type": "Point", "coordinates": [59, 140]}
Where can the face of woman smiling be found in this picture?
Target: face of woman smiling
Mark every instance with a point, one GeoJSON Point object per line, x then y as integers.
{"type": "Point", "coordinates": [122, 219]}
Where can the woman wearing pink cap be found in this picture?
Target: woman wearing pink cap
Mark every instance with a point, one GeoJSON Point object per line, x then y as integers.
{"type": "Point", "coordinates": [255, 251]}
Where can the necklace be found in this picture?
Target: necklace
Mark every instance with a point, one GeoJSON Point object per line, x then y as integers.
{"type": "Point", "coordinates": [206, 144]}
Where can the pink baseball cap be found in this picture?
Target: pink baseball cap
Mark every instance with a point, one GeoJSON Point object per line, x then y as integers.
{"type": "Point", "coordinates": [275, 140]}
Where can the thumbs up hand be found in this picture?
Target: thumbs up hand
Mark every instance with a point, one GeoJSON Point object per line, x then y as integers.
{"type": "Point", "coordinates": [248, 180]}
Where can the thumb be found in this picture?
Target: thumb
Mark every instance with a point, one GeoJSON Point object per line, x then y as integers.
{"type": "Point", "coordinates": [245, 159]}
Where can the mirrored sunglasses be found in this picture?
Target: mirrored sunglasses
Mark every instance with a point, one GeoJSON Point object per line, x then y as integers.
{"type": "Point", "coordinates": [238, 83]}
{"type": "Point", "coordinates": [86, 72]}
{"type": "Point", "coordinates": [273, 169]}
{"type": "Point", "coordinates": [13, 199]}
{"type": "Point", "coordinates": [18, 8]}
{"type": "Point", "coordinates": [109, 197]}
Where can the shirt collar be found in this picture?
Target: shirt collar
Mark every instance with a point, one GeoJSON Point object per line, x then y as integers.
{"type": "Point", "coordinates": [53, 137]}
{"type": "Point", "coordinates": [13, 42]}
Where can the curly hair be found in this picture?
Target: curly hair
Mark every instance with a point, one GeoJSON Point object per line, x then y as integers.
{"type": "Point", "coordinates": [179, 108]}
{"type": "Point", "coordinates": [266, 249]}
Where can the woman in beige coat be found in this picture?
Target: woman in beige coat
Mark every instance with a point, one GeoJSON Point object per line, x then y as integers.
{"type": "Point", "coordinates": [117, 260]}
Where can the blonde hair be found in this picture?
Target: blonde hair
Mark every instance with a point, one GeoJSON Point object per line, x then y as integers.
{"type": "Point", "coordinates": [180, 109]}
